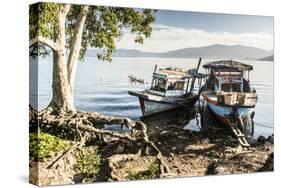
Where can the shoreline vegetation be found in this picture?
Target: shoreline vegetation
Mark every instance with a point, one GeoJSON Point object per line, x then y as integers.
{"type": "Point", "coordinates": [76, 149]}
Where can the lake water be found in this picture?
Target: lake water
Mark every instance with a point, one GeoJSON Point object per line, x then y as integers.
{"type": "Point", "coordinates": [103, 87]}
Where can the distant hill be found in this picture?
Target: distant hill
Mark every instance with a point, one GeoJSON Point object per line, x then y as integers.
{"type": "Point", "coordinates": [124, 53]}
{"type": "Point", "coordinates": [211, 52]}
{"type": "Point", "coordinates": [268, 58]}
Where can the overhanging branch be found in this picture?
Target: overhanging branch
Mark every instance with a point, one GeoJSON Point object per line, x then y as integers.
{"type": "Point", "coordinates": [44, 41]}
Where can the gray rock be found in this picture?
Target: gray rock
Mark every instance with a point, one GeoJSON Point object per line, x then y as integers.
{"type": "Point", "coordinates": [271, 139]}
{"type": "Point", "coordinates": [252, 141]}
{"type": "Point", "coordinates": [261, 139]}
{"type": "Point", "coordinates": [172, 154]}
{"type": "Point", "coordinates": [174, 148]}
{"type": "Point", "coordinates": [120, 148]}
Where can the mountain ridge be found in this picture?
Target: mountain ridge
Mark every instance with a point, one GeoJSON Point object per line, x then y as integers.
{"type": "Point", "coordinates": [267, 58]}
{"type": "Point", "coordinates": [216, 51]}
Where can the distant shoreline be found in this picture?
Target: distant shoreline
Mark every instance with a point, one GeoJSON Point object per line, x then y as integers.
{"type": "Point", "coordinates": [207, 52]}
{"type": "Point", "coordinates": [118, 57]}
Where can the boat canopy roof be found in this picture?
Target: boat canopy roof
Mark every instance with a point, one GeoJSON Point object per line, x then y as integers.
{"type": "Point", "coordinates": [228, 64]}
{"type": "Point", "coordinates": [171, 73]}
{"type": "Point", "coordinates": [196, 74]}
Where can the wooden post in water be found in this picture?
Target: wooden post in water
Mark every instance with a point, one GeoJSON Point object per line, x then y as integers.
{"type": "Point", "coordinates": [193, 79]}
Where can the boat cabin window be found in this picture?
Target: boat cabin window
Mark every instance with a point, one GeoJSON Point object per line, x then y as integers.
{"type": "Point", "coordinates": [159, 84]}
{"type": "Point", "coordinates": [178, 85]}
{"type": "Point", "coordinates": [231, 87]}
{"type": "Point", "coordinates": [171, 86]}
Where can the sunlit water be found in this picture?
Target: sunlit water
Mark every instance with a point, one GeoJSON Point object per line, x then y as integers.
{"type": "Point", "coordinates": [103, 87]}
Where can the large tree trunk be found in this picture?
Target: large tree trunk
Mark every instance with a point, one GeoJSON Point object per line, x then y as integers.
{"type": "Point", "coordinates": [76, 46]}
{"type": "Point", "coordinates": [62, 96]}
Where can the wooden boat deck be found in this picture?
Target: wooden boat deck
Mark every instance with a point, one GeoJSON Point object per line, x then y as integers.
{"type": "Point", "coordinates": [151, 96]}
{"type": "Point", "coordinates": [249, 102]}
{"type": "Point", "coordinates": [211, 96]}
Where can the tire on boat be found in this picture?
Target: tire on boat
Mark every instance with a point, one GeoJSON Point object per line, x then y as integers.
{"type": "Point", "coordinates": [249, 124]}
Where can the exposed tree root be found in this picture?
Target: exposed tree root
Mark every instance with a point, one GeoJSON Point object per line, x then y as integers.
{"type": "Point", "coordinates": [118, 158]}
{"type": "Point", "coordinates": [165, 171]}
{"type": "Point", "coordinates": [178, 152]}
{"type": "Point", "coordinates": [89, 125]}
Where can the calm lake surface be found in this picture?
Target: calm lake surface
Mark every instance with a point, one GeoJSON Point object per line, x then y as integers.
{"type": "Point", "coordinates": [103, 87]}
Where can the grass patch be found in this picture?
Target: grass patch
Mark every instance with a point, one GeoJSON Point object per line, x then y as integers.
{"type": "Point", "coordinates": [152, 173]}
{"type": "Point", "coordinates": [88, 162]}
{"type": "Point", "coordinates": [43, 146]}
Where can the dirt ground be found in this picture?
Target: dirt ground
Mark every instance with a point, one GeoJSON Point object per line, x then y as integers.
{"type": "Point", "coordinates": [186, 152]}
{"type": "Point", "coordinates": [192, 153]}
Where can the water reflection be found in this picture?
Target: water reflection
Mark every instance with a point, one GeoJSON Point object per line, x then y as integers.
{"type": "Point", "coordinates": [195, 123]}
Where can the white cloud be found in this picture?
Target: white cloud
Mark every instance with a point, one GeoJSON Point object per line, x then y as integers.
{"type": "Point", "coordinates": [166, 38]}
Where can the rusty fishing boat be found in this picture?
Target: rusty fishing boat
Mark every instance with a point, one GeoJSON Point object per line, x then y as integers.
{"type": "Point", "coordinates": [170, 88]}
{"type": "Point", "coordinates": [229, 95]}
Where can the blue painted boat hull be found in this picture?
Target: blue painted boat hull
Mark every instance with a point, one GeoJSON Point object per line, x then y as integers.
{"type": "Point", "coordinates": [221, 112]}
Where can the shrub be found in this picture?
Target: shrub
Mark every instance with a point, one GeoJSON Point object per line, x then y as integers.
{"type": "Point", "coordinates": [43, 146]}
{"type": "Point", "coordinates": [88, 163]}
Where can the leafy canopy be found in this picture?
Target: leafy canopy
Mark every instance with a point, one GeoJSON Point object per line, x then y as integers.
{"type": "Point", "coordinates": [103, 26]}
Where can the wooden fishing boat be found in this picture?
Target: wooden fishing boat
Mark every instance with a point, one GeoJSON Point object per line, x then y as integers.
{"type": "Point", "coordinates": [170, 88]}
{"type": "Point", "coordinates": [228, 93]}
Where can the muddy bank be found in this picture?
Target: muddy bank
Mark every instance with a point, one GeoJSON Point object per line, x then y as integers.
{"type": "Point", "coordinates": [213, 151]}
{"type": "Point", "coordinates": [184, 153]}
{"type": "Point", "coordinates": [190, 153]}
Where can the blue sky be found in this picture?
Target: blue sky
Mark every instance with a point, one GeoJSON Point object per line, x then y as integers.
{"type": "Point", "coordinates": [174, 30]}
{"type": "Point", "coordinates": [214, 22]}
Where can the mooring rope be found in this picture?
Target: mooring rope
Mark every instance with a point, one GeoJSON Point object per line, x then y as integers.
{"type": "Point", "coordinates": [262, 125]}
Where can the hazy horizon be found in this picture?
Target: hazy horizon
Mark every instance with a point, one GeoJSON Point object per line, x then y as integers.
{"type": "Point", "coordinates": [174, 30]}
{"type": "Point", "coordinates": [186, 47]}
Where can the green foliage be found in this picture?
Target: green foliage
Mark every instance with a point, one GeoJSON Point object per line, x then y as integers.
{"type": "Point", "coordinates": [43, 146]}
{"type": "Point", "coordinates": [152, 173]}
{"type": "Point", "coordinates": [88, 162]}
{"type": "Point", "coordinates": [104, 25]}
{"type": "Point", "coordinates": [43, 19]}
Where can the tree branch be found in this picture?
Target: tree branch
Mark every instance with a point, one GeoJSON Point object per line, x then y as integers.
{"type": "Point", "coordinates": [76, 45]}
{"type": "Point", "coordinates": [44, 41]}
